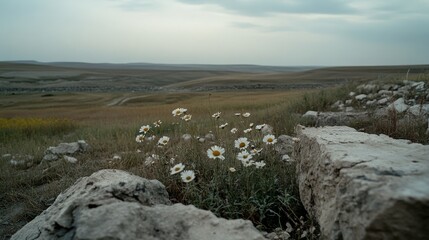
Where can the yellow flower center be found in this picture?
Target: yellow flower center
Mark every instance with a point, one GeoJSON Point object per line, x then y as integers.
{"type": "Point", "coordinates": [269, 140]}
{"type": "Point", "coordinates": [188, 178]}
{"type": "Point", "coordinates": [177, 169]}
{"type": "Point", "coordinates": [242, 144]}
{"type": "Point", "coordinates": [165, 141]}
{"type": "Point", "coordinates": [244, 156]}
{"type": "Point", "coordinates": [146, 129]}
{"type": "Point", "coordinates": [216, 153]}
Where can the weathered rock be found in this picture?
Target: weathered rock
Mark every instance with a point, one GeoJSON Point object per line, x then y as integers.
{"type": "Point", "coordinates": [210, 137]}
{"type": "Point", "coordinates": [70, 159]}
{"type": "Point", "coordinates": [64, 148]}
{"type": "Point", "coordinates": [383, 101]}
{"type": "Point", "coordinates": [419, 109]}
{"type": "Point", "coordinates": [363, 186]}
{"type": "Point", "coordinates": [399, 105]}
{"type": "Point", "coordinates": [50, 157]}
{"type": "Point", "coordinates": [284, 145]}
{"type": "Point", "coordinates": [339, 118]}
{"type": "Point", "coordinates": [360, 97]}
{"type": "Point", "coordinates": [310, 114]}
{"type": "Point", "coordinates": [101, 188]}
{"type": "Point", "coordinates": [113, 204]}
{"type": "Point", "coordinates": [83, 146]}
{"type": "Point", "coordinates": [186, 137]}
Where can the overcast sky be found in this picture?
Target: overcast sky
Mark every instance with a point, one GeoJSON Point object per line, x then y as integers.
{"type": "Point", "coordinates": [267, 32]}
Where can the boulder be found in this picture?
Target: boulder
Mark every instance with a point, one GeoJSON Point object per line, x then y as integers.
{"type": "Point", "coordinates": [361, 97]}
{"type": "Point", "coordinates": [399, 105]}
{"type": "Point", "coordinates": [363, 186]}
{"type": "Point", "coordinates": [70, 159]}
{"type": "Point", "coordinates": [113, 204]}
{"type": "Point", "coordinates": [186, 137]}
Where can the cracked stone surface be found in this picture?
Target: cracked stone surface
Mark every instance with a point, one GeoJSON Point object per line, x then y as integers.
{"type": "Point", "coordinates": [363, 186]}
{"type": "Point", "coordinates": [113, 204]}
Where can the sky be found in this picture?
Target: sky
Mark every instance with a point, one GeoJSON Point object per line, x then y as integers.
{"type": "Point", "coordinates": [264, 32]}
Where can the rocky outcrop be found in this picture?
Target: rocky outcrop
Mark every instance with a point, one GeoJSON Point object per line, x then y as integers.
{"type": "Point", "coordinates": [363, 186]}
{"type": "Point", "coordinates": [407, 101]}
{"type": "Point", "coordinates": [54, 153]}
{"type": "Point", "coordinates": [113, 204]}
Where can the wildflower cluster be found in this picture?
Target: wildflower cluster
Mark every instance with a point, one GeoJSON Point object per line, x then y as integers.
{"type": "Point", "coordinates": [215, 169]}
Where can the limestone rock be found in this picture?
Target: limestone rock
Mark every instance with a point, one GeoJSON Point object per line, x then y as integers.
{"type": "Point", "coordinates": [64, 148]}
{"type": "Point", "coordinates": [104, 187]}
{"type": "Point", "coordinates": [363, 186]}
{"type": "Point", "coordinates": [70, 159]}
{"type": "Point", "coordinates": [361, 97]}
{"type": "Point", "coordinates": [112, 204]}
{"type": "Point", "coordinates": [399, 105]}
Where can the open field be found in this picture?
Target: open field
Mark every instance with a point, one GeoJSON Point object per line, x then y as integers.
{"type": "Point", "coordinates": [44, 105]}
{"type": "Point", "coordinates": [81, 77]}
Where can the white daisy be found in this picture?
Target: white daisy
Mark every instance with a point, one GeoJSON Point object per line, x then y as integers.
{"type": "Point", "coordinates": [140, 138]}
{"type": "Point", "coordinates": [244, 156]}
{"type": "Point", "coordinates": [248, 163]}
{"type": "Point", "coordinates": [231, 169]}
{"type": "Point", "coordinates": [247, 130]}
{"type": "Point", "coordinates": [251, 125]}
{"type": "Point", "coordinates": [164, 140]}
{"type": "Point", "coordinates": [255, 151]}
{"type": "Point", "coordinates": [144, 129]}
{"type": "Point", "coordinates": [245, 115]}
{"type": "Point", "coordinates": [259, 127]}
{"type": "Point", "coordinates": [223, 125]}
{"type": "Point", "coordinates": [216, 152]}
{"type": "Point", "coordinates": [177, 168]}
{"type": "Point", "coordinates": [269, 139]}
{"type": "Point", "coordinates": [216, 115]}
{"type": "Point", "coordinates": [179, 111]}
{"type": "Point", "coordinates": [260, 164]}
{"type": "Point", "coordinates": [234, 130]}
{"type": "Point", "coordinates": [237, 114]}
{"type": "Point", "coordinates": [187, 176]}
{"type": "Point", "coordinates": [187, 117]}
{"type": "Point", "coordinates": [241, 143]}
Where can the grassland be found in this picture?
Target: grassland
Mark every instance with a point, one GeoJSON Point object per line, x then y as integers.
{"type": "Point", "coordinates": [109, 122]}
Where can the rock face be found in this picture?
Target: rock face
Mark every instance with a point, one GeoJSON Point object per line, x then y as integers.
{"type": "Point", "coordinates": [363, 186]}
{"type": "Point", "coordinates": [113, 204]}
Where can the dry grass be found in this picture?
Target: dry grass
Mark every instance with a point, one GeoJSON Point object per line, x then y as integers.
{"type": "Point", "coordinates": [111, 130]}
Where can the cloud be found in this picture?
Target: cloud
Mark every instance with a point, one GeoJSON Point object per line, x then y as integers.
{"type": "Point", "coordinates": [267, 7]}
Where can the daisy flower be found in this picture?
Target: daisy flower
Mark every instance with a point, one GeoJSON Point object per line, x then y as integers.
{"type": "Point", "coordinates": [216, 115]}
{"type": "Point", "coordinates": [269, 139]}
{"type": "Point", "coordinates": [231, 169]}
{"type": "Point", "coordinates": [237, 114]}
{"type": "Point", "coordinates": [179, 111]}
{"type": "Point", "coordinates": [241, 143]}
{"type": "Point", "coordinates": [259, 127]}
{"type": "Point", "coordinates": [234, 130]}
{"type": "Point", "coordinates": [140, 138]}
{"type": "Point", "coordinates": [187, 117]}
{"type": "Point", "coordinates": [157, 123]}
{"type": "Point", "coordinates": [247, 130]}
{"type": "Point", "coordinates": [187, 176]}
{"type": "Point", "coordinates": [248, 163]}
{"type": "Point", "coordinates": [164, 140]}
{"type": "Point", "coordinates": [216, 152]}
{"type": "Point", "coordinates": [260, 164]}
{"type": "Point", "coordinates": [223, 125]}
{"type": "Point", "coordinates": [144, 129]}
{"type": "Point", "coordinates": [251, 125]}
{"type": "Point", "coordinates": [255, 151]}
{"type": "Point", "coordinates": [244, 156]}
{"type": "Point", "coordinates": [177, 168]}
{"type": "Point", "coordinates": [246, 115]}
